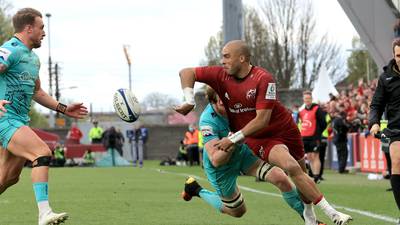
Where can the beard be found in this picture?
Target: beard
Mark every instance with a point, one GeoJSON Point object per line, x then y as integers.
{"type": "Point", "coordinates": [36, 44]}
{"type": "Point", "coordinates": [233, 71]}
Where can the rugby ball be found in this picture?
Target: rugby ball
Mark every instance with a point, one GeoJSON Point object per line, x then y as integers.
{"type": "Point", "coordinates": [126, 105]}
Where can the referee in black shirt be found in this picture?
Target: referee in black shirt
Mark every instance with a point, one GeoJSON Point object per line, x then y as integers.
{"type": "Point", "coordinates": [387, 98]}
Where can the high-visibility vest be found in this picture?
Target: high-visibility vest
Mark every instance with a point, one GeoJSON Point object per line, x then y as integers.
{"type": "Point", "coordinates": [191, 138]}
{"type": "Point", "coordinates": [95, 133]}
{"type": "Point", "coordinates": [328, 122]}
{"type": "Point", "coordinates": [384, 124]}
{"type": "Point", "coordinates": [58, 153]}
{"type": "Point", "coordinates": [308, 121]}
{"type": "Point", "coordinates": [200, 138]}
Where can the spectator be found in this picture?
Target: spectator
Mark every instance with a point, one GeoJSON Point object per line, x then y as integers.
{"type": "Point", "coordinates": [191, 141]}
{"type": "Point", "coordinates": [74, 134]}
{"type": "Point", "coordinates": [181, 158]}
{"type": "Point", "coordinates": [138, 141]}
{"type": "Point", "coordinates": [295, 113]}
{"type": "Point", "coordinates": [324, 139]}
{"type": "Point", "coordinates": [120, 142]}
{"type": "Point", "coordinates": [145, 134]}
{"type": "Point", "coordinates": [95, 133]}
{"type": "Point", "coordinates": [88, 158]}
{"type": "Point", "coordinates": [59, 156]}
{"type": "Point", "coordinates": [340, 129]}
{"type": "Point", "coordinates": [110, 138]}
{"type": "Point", "coordinates": [200, 146]}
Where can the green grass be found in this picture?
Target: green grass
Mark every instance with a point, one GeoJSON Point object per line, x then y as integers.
{"type": "Point", "coordinates": [125, 196]}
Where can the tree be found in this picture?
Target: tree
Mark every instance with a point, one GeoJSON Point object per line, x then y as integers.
{"type": "Point", "coordinates": [282, 38]}
{"type": "Point", "coordinates": [360, 63]}
{"type": "Point", "coordinates": [314, 52]}
{"type": "Point", "coordinates": [6, 29]}
{"type": "Point", "coordinates": [213, 50]}
{"type": "Point", "coordinates": [156, 100]}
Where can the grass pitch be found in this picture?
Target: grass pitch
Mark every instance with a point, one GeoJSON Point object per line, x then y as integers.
{"type": "Point", "coordinates": [151, 195]}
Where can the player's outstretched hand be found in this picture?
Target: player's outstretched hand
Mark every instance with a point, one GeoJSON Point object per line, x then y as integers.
{"type": "Point", "coordinates": [184, 109]}
{"type": "Point", "coordinates": [224, 144]}
{"type": "Point", "coordinates": [2, 108]}
{"type": "Point", "coordinates": [76, 110]}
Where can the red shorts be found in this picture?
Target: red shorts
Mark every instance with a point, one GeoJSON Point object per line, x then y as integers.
{"type": "Point", "coordinates": [291, 138]}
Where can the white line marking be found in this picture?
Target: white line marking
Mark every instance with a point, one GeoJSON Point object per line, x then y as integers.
{"type": "Point", "coordinates": [358, 211]}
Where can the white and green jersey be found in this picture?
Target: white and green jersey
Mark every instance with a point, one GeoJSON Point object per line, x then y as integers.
{"type": "Point", "coordinates": [17, 83]}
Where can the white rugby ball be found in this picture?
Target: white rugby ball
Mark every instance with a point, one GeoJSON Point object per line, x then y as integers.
{"type": "Point", "coordinates": [126, 105]}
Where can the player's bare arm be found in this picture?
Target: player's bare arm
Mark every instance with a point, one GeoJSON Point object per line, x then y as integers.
{"type": "Point", "coordinates": [188, 78]}
{"type": "Point", "coordinates": [260, 121]}
{"type": "Point", "coordinates": [218, 158]}
{"type": "Point", "coordinates": [74, 110]}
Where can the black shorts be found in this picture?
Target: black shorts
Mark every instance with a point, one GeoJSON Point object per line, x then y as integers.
{"type": "Point", "coordinates": [392, 134]}
{"type": "Point", "coordinates": [393, 139]}
{"type": "Point", "coordinates": [310, 145]}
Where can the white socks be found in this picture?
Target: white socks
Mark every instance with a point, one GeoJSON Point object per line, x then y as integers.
{"type": "Point", "coordinates": [44, 207]}
{"type": "Point", "coordinates": [326, 208]}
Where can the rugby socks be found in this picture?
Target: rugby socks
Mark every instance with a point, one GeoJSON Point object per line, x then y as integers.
{"type": "Point", "coordinates": [325, 206]}
{"type": "Point", "coordinates": [211, 198]}
{"type": "Point", "coordinates": [395, 182]}
{"type": "Point", "coordinates": [293, 200]}
{"type": "Point", "coordinates": [42, 196]}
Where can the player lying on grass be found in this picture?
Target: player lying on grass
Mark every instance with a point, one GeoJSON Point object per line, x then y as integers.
{"type": "Point", "coordinates": [223, 167]}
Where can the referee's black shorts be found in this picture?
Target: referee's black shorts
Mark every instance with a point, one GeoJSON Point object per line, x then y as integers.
{"type": "Point", "coordinates": [310, 145]}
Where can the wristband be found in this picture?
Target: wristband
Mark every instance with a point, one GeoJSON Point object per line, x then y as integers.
{"type": "Point", "coordinates": [236, 137]}
{"type": "Point", "coordinates": [189, 95]}
{"type": "Point", "coordinates": [61, 108]}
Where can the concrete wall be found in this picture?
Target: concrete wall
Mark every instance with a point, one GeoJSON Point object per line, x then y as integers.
{"type": "Point", "coordinates": [163, 140]}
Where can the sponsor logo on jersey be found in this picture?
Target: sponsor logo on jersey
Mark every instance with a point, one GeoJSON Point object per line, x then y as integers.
{"type": "Point", "coordinates": [4, 54]}
{"type": "Point", "coordinates": [271, 92]}
{"type": "Point", "coordinates": [206, 131]}
{"type": "Point", "coordinates": [251, 94]}
{"type": "Point", "coordinates": [238, 106]}
{"type": "Point", "coordinates": [241, 110]}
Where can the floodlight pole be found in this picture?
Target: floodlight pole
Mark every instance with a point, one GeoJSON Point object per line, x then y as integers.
{"type": "Point", "coordinates": [128, 59]}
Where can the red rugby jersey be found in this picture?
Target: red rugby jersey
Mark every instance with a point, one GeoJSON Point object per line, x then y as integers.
{"type": "Point", "coordinates": [242, 97]}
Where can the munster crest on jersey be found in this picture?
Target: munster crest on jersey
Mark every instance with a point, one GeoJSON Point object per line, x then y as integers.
{"type": "Point", "coordinates": [251, 94]}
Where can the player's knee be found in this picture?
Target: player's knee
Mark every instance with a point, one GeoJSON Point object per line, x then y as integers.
{"type": "Point", "coordinates": [239, 213]}
{"type": "Point", "coordinates": [235, 207]}
{"type": "Point", "coordinates": [280, 180]}
{"type": "Point", "coordinates": [293, 167]}
{"type": "Point", "coordinates": [41, 161]}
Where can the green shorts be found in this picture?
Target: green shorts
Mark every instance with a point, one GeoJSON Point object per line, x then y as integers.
{"type": "Point", "coordinates": [8, 126]}
{"type": "Point", "coordinates": [223, 178]}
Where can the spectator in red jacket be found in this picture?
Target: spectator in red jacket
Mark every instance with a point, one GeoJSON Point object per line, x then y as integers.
{"type": "Point", "coordinates": [74, 134]}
